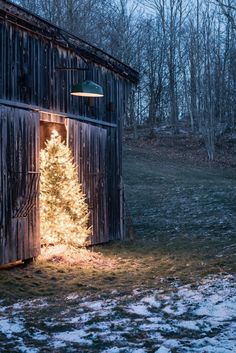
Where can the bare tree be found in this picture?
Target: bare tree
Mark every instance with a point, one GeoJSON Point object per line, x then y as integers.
{"type": "Point", "coordinates": [185, 53]}
{"type": "Point", "coordinates": [171, 15]}
{"type": "Point", "coordinates": [153, 68]}
{"type": "Point", "coordinates": [228, 8]}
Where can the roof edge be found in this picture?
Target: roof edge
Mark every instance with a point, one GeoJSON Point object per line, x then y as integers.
{"type": "Point", "coordinates": [30, 21]}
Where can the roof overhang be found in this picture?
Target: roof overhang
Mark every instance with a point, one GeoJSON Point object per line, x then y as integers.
{"type": "Point", "coordinates": [33, 23]}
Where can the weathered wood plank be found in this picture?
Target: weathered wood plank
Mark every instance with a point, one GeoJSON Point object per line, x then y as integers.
{"type": "Point", "coordinates": [28, 75]}
{"type": "Point", "coordinates": [57, 113]}
{"type": "Point", "coordinates": [88, 145]}
{"type": "Point", "coordinates": [19, 146]}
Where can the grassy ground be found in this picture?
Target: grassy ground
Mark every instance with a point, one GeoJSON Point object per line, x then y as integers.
{"type": "Point", "coordinates": [185, 221]}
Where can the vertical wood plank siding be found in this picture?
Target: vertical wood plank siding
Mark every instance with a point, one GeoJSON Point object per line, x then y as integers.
{"type": "Point", "coordinates": [19, 168]}
{"type": "Point", "coordinates": [28, 74]}
{"type": "Point", "coordinates": [89, 147]}
{"type": "Point", "coordinates": [31, 51]}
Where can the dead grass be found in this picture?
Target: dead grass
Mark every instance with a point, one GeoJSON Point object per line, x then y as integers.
{"type": "Point", "coordinates": [184, 217]}
{"type": "Point", "coordinates": [183, 148]}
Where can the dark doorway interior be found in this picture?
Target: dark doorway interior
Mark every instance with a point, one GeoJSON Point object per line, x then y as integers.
{"type": "Point", "coordinates": [46, 129]}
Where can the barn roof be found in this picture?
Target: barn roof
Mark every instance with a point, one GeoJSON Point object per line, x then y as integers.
{"type": "Point", "coordinates": [36, 24]}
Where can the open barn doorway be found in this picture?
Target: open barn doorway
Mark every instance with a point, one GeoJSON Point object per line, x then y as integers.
{"type": "Point", "coordinates": [88, 145]}
{"type": "Point", "coordinates": [64, 211]}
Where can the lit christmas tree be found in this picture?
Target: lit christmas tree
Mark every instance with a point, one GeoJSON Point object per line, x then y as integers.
{"type": "Point", "coordinates": [63, 208]}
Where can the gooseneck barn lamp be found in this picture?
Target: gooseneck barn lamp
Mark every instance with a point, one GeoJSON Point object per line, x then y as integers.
{"type": "Point", "coordinates": [85, 88]}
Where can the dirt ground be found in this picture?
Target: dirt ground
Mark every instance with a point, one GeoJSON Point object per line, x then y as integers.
{"type": "Point", "coordinates": [169, 288]}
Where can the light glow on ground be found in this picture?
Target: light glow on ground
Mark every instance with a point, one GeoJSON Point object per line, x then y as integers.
{"type": "Point", "coordinates": [65, 255]}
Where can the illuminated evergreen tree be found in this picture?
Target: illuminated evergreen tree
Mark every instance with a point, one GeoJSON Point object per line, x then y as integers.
{"type": "Point", "coordinates": [63, 208]}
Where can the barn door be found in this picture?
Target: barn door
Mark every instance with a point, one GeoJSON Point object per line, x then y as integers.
{"type": "Point", "coordinates": [88, 144]}
{"type": "Point", "coordinates": [19, 185]}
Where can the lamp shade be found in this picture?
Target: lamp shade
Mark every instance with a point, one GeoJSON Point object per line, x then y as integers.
{"type": "Point", "coordinates": [87, 89]}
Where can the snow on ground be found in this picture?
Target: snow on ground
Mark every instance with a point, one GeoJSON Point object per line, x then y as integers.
{"type": "Point", "coordinates": [186, 319]}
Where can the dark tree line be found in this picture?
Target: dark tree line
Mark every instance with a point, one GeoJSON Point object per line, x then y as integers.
{"type": "Point", "coordinates": [185, 52]}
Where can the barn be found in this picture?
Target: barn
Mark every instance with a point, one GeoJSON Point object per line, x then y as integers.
{"type": "Point", "coordinates": [39, 65]}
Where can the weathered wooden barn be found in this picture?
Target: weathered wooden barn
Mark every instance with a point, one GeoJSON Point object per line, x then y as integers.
{"type": "Point", "coordinates": [35, 96]}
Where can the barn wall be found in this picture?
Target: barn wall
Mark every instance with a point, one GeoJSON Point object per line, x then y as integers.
{"type": "Point", "coordinates": [19, 178]}
{"type": "Point", "coordinates": [29, 74]}
{"type": "Point", "coordinates": [31, 51]}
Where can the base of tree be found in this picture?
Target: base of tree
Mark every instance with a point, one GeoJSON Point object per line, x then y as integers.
{"type": "Point", "coordinates": [68, 255]}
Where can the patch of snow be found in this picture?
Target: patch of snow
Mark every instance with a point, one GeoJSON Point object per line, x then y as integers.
{"type": "Point", "coordinates": [155, 319]}
{"type": "Point", "coordinates": [112, 350]}
{"type": "Point", "coordinates": [221, 311]}
{"type": "Point", "coordinates": [190, 325]}
{"type": "Point", "coordinates": [149, 327]}
{"type": "Point", "coordinates": [100, 326]}
{"type": "Point", "coordinates": [121, 321]}
{"type": "Point", "coordinates": [166, 328]}
{"type": "Point", "coordinates": [3, 309]}
{"type": "Point", "coordinates": [163, 350]}
{"type": "Point", "coordinates": [9, 327]}
{"type": "Point", "coordinates": [151, 300]}
{"type": "Point", "coordinates": [109, 337]}
{"type": "Point", "coordinates": [72, 296]}
{"type": "Point", "coordinates": [95, 305]}
{"type": "Point", "coordinates": [114, 291]}
{"type": "Point", "coordinates": [23, 349]}
{"type": "Point", "coordinates": [69, 335]}
{"type": "Point", "coordinates": [100, 305]}
{"type": "Point", "coordinates": [21, 305]}
{"type": "Point", "coordinates": [82, 318]}
{"type": "Point", "coordinates": [76, 336]}
{"type": "Point", "coordinates": [188, 294]}
{"type": "Point", "coordinates": [59, 344]}
{"type": "Point", "coordinates": [177, 309]}
{"type": "Point", "coordinates": [223, 343]}
{"type": "Point", "coordinates": [156, 336]}
{"type": "Point", "coordinates": [171, 343]}
{"type": "Point", "coordinates": [50, 323]}
{"type": "Point", "coordinates": [138, 309]}
{"type": "Point", "coordinates": [18, 306]}
{"type": "Point", "coordinates": [164, 297]}
{"type": "Point", "coordinates": [207, 308]}
{"type": "Point", "coordinates": [39, 336]}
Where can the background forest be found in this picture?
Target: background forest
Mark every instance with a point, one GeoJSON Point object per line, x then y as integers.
{"type": "Point", "coordinates": [185, 52]}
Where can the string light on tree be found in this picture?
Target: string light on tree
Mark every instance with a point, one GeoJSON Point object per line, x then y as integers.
{"type": "Point", "coordinates": [63, 209]}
